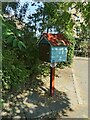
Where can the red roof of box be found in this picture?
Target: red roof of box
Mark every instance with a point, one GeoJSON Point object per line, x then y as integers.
{"type": "Point", "coordinates": [56, 39]}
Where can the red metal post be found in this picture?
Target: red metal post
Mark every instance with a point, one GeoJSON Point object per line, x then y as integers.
{"type": "Point", "coordinates": [52, 77]}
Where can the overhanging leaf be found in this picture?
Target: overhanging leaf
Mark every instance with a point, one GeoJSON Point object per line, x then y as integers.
{"type": "Point", "coordinates": [21, 45]}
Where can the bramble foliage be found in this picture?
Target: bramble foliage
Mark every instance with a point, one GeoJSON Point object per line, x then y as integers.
{"type": "Point", "coordinates": [11, 35]}
{"type": "Point", "coordinates": [19, 56]}
{"type": "Point", "coordinates": [14, 71]}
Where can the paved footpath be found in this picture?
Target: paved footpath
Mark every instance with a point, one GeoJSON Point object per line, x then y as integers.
{"type": "Point", "coordinates": [80, 75]}
{"type": "Point", "coordinates": [80, 69]}
{"type": "Point", "coordinates": [69, 100]}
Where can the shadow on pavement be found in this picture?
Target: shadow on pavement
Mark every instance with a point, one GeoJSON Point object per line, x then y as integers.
{"type": "Point", "coordinates": [34, 101]}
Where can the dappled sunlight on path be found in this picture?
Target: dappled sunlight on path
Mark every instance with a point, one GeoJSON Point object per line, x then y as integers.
{"type": "Point", "coordinates": [34, 101]}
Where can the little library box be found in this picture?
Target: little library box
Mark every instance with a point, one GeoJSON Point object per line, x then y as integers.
{"type": "Point", "coordinates": [53, 48]}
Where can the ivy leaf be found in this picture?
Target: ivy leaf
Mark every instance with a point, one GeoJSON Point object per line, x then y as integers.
{"type": "Point", "coordinates": [21, 45]}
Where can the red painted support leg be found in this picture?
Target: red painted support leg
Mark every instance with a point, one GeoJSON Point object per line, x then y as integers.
{"type": "Point", "coordinates": [52, 77]}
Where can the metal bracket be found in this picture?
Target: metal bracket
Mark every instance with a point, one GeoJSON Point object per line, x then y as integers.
{"type": "Point", "coordinates": [53, 65]}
